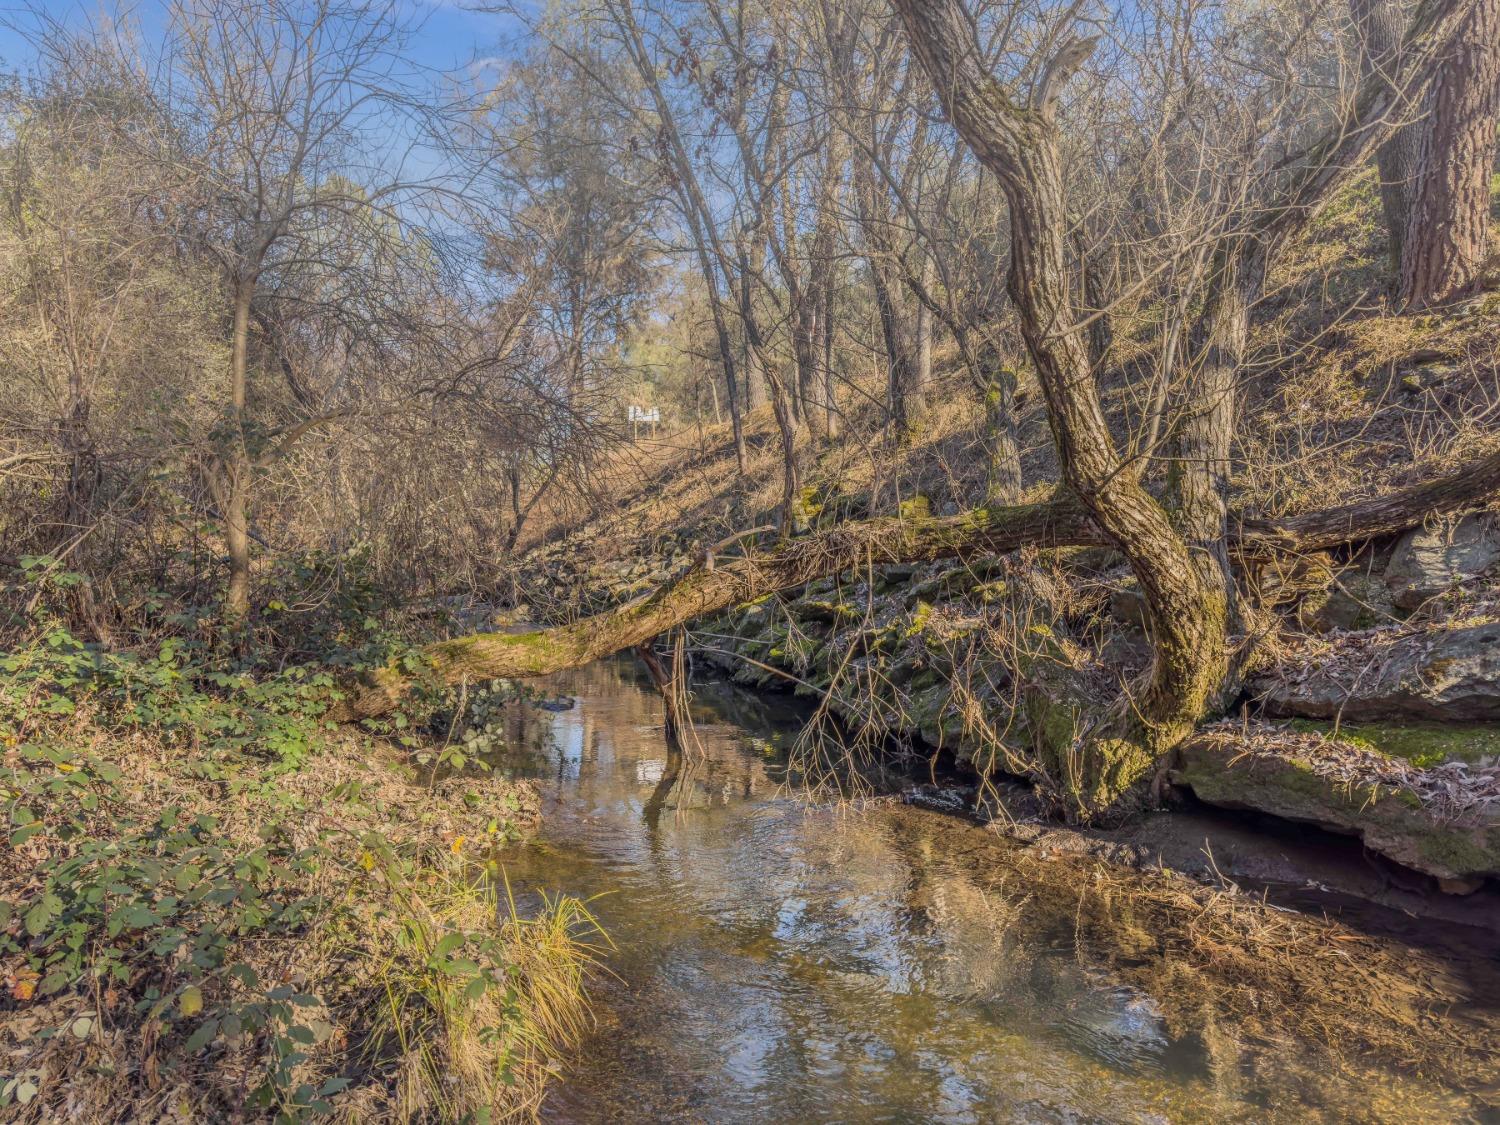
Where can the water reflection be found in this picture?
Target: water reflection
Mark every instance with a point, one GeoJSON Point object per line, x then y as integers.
{"type": "Point", "coordinates": [782, 963]}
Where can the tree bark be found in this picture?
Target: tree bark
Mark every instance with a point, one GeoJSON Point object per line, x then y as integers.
{"type": "Point", "coordinates": [1379, 26]}
{"type": "Point", "coordinates": [916, 394]}
{"type": "Point", "coordinates": [1447, 223]}
{"type": "Point", "coordinates": [236, 467]}
{"type": "Point", "coordinates": [1002, 456]}
{"type": "Point", "coordinates": [1187, 605]}
{"type": "Point", "coordinates": [694, 210]}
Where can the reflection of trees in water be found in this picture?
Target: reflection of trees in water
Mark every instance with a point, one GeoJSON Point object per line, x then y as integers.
{"type": "Point", "coordinates": [651, 812]}
{"type": "Point", "coordinates": [903, 936]}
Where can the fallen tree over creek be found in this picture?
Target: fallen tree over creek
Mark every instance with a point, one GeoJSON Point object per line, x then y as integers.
{"type": "Point", "coordinates": [718, 584]}
{"type": "Point", "coordinates": [1189, 559]}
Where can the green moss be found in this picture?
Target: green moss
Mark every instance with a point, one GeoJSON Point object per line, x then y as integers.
{"type": "Point", "coordinates": [1456, 851]}
{"type": "Point", "coordinates": [917, 508]}
{"type": "Point", "coordinates": [1422, 744]}
{"type": "Point", "coordinates": [919, 618]}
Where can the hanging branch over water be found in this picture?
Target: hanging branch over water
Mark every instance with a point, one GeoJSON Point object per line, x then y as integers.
{"type": "Point", "coordinates": [1059, 521]}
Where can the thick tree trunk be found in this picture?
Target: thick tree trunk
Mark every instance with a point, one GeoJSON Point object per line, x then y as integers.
{"type": "Point", "coordinates": [1204, 431]}
{"type": "Point", "coordinates": [1187, 605]}
{"type": "Point", "coordinates": [795, 562]}
{"type": "Point", "coordinates": [1447, 223]}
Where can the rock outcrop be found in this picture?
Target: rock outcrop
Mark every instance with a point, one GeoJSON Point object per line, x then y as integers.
{"type": "Point", "coordinates": [1448, 674]}
{"type": "Point", "coordinates": [1442, 820]}
{"type": "Point", "coordinates": [1430, 561]}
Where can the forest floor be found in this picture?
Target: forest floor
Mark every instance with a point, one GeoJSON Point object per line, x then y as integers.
{"type": "Point", "coordinates": [215, 905]}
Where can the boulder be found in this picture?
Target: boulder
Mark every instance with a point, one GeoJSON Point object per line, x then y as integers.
{"type": "Point", "coordinates": [1430, 561]}
{"type": "Point", "coordinates": [1459, 849]}
{"type": "Point", "coordinates": [1452, 675]}
{"type": "Point", "coordinates": [1356, 600]}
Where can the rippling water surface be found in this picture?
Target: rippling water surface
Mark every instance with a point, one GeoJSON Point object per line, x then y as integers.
{"type": "Point", "coordinates": [781, 963]}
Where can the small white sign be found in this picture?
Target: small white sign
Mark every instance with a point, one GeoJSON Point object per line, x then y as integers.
{"type": "Point", "coordinates": [644, 414]}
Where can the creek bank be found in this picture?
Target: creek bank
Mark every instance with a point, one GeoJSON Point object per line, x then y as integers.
{"type": "Point", "coordinates": [199, 923]}
{"type": "Point", "coordinates": [988, 660]}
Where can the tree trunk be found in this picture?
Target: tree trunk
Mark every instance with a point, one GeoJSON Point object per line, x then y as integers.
{"type": "Point", "coordinates": [694, 210]}
{"type": "Point", "coordinates": [916, 394]}
{"type": "Point", "coordinates": [726, 361]}
{"type": "Point", "coordinates": [821, 282]}
{"type": "Point", "coordinates": [1060, 521]}
{"type": "Point", "coordinates": [1379, 24]}
{"type": "Point", "coordinates": [1002, 476]}
{"type": "Point", "coordinates": [1447, 223]}
{"type": "Point", "coordinates": [1187, 609]}
{"type": "Point", "coordinates": [757, 372]}
{"type": "Point", "coordinates": [237, 467]}
{"type": "Point", "coordinates": [755, 352]}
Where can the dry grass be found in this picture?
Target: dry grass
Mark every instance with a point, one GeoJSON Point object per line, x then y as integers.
{"type": "Point", "coordinates": [1211, 954]}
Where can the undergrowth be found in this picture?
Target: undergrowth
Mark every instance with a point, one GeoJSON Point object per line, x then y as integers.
{"type": "Point", "coordinates": [216, 904]}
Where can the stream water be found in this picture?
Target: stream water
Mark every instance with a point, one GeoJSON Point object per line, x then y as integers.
{"type": "Point", "coordinates": [775, 961]}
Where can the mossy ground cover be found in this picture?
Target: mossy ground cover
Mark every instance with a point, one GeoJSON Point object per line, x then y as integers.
{"type": "Point", "coordinates": [1422, 744]}
{"type": "Point", "coordinates": [215, 904]}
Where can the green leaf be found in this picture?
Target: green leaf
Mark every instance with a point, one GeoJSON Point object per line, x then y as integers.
{"type": "Point", "coordinates": [48, 907]}
{"type": "Point", "coordinates": [202, 1037]}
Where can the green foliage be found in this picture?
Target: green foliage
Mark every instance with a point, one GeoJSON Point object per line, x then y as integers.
{"type": "Point", "coordinates": [326, 605]}
{"type": "Point", "coordinates": [154, 907]}
{"type": "Point", "coordinates": [168, 878]}
{"type": "Point", "coordinates": [166, 691]}
{"type": "Point", "coordinates": [469, 721]}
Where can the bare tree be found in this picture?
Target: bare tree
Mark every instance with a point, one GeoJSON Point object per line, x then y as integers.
{"type": "Point", "coordinates": [286, 101]}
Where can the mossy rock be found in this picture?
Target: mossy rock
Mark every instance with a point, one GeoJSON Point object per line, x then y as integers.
{"type": "Point", "coordinates": [1390, 820]}
{"type": "Point", "coordinates": [825, 611]}
{"type": "Point", "coordinates": [917, 508]}
{"type": "Point", "coordinates": [1421, 744]}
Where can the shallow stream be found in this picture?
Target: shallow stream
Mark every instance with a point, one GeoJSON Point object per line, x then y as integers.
{"type": "Point", "coordinates": [776, 961]}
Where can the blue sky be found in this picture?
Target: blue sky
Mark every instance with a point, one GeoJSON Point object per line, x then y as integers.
{"type": "Point", "coordinates": [453, 35]}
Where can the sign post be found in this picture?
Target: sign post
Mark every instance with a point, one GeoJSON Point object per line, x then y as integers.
{"type": "Point", "coordinates": [638, 414]}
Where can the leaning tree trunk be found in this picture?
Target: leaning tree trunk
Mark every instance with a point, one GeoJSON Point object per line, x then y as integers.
{"type": "Point", "coordinates": [1060, 521]}
{"type": "Point", "coordinates": [1187, 605]}
{"type": "Point", "coordinates": [1446, 239]}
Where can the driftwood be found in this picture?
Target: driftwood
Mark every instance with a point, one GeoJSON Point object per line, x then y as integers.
{"type": "Point", "coordinates": [1059, 521]}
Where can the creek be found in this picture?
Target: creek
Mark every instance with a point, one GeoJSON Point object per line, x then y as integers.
{"type": "Point", "coordinates": [775, 959]}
